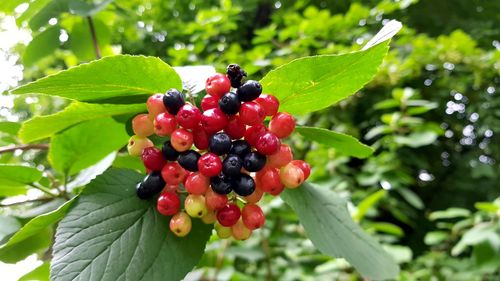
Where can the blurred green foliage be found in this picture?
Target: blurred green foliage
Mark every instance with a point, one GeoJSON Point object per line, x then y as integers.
{"type": "Point", "coordinates": [429, 193]}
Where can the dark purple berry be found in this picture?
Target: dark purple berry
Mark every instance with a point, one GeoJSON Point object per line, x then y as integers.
{"type": "Point", "coordinates": [230, 103]}
{"type": "Point", "coordinates": [231, 166]}
{"type": "Point", "coordinates": [220, 143]}
{"type": "Point", "coordinates": [254, 162]}
{"type": "Point", "coordinates": [189, 160]}
{"type": "Point", "coordinates": [173, 101]}
{"type": "Point", "coordinates": [244, 185]}
{"type": "Point", "coordinates": [221, 184]}
{"type": "Point", "coordinates": [249, 91]}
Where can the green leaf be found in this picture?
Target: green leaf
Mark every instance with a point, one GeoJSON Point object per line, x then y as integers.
{"type": "Point", "coordinates": [14, 178]}
{"type": "Point", "coordinates": [313, 83]}
{"type": "Point", "coordinates": [40, 273]}
{"type": "Point", "coordinates": [10, 128]}
{"type": "Point", "coordinates": [34, 8]}
{"type": "Point", "coordinates": [417, 139]}
{"type": "Point", "coordinates": [9, 226]}
{"type": "Point", "coordinates": [110, 77]}
{"type": "Point", "coordinates": [110, 234]}
{"type": "Point", "coordinates": [42, 45]}
{"type": "Point", "coordinates": [388, 228]}
{"type": "Point", "coordinates": [367, 203]}
{"type": "Point", "coordinates": [84, 9]}
{"type": "Point", "coordinates": [85, 144]}
{"type": "Point", "coordinates": [129, 162]}
{"type": "Point", "coordinates": [41, 127]}
{"type": "Point", "coordinates": [9, 6]}
{"type": "Point", "coordinates": [331, 229]}
{"type": "Point", "coordinates": [435, 237]}
{"type": "Point", "coordinates": [52, 10]}
{"type": "Point", "coordinates": [81, 43]}
{"type": "Point", "coordinates": [411, 197]}
{"type": "Point", "coordinates": [449, 213]}
{"type": "Point", "coordinates": [344, 144]}
{"type": "Point", "coordinates": [19, 251]}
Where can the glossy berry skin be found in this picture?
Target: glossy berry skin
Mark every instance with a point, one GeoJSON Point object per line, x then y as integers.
{"type": "Point", "coordinates": [200, 138]}
{"type": "Point", "coordinates": [252, 113]}
{"type": "Point", "coordinates": [173, 100]}
{"type": "Point", "coordinates": [254, 161]}
{"type": "Point", "coordinates": [291, 176]}
{"type": "Point", "coordinates": [268, 143]}
{"type": "Point", "coordinates": [235, 75]}
{"type": "Point", "coordinates": [168, 203]}
{"type": "Point", "coordinates": [209, 218]}
{"type": "Point", "coordinates": [221, 184]}
{"type": "Point", "coordinates": [209, 165]}
{"type": "Point", "coordinates": [253, 133]}
{"type": "Point", "coordinates": [240, 148]}
{"type": "Point", "coordinates": [169, 152]}
{"type": "Point", "coordinates": [197, 183]}
{"type": "Point", "coordinates": [229, 215]}
{"type": "Point", "coordinates": [235, 128]}
{"type": "Point", "coordinates": [231, 166]}
{"type": "Point", "coordinates": [282, 157]}
{"type": "Point", "coordinates": [189, 160]}
{"type": "Point", "coordinates": [217, 85]}
{"type": "Point", "coordinates": [270, 104]}
{"type": "Point", "coordinates": [229, 103]}
{"type": "Point", "coordinates": [213, 120]}
{"type": "Point", "coordinates": [304, 166]}
{"type": "Point", "coordinates": [164, 124]}
{"type": "Point", "coordinates": [252, 216]}
{"type": "Point", "coordinates": [222, 231]}
{"type": "Point", "coordinates": [181, 140]}
{"type": "Point", "coordinates": [195, 206]}
{"type": "Point", "coordinates": [189, 116]}
{"type": "Point", "coordinates": [220, 144]}
{"type": "Point", "coordinates": [240, 231]}
{"type": "Point", "coordinates": [244, 185]}
{"type": "Point", "coordinates": [215, 201]}
{"type": "Point", "coordinates": [150, 185]}
{"type": "Point", "coordinates": [171, 188]}
{"type": "Point", "coordinates": [249, 91]}
{"type": "Point", "coordinates": [180, 224]}
{"type": "Point", "coordinates": [173, 173]}
{"type": "Point", "coordinates": [282, 124]}
{"type": "Point", "coordinates": [155, 105]}
{"type": "Point", "coordinates": [153, 158]}
{"type": "Point", "coordinates": [269, 179]}
{"type": "Point", "coordinates": [142, 125]}
{"type": "Point", "coordinates": [137, 144]}
{"type": "Point", "coordinates": [209, 102]}
{"type": "Point", "coordinates": [255, 196]}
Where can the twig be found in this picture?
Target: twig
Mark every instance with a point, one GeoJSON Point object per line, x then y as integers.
{"type": "Point", "coordinates": [94, 37]}
{"type": "Point", "coordinates": [11, 148]}
{"type": "Point", "coordinates": [44, 199]}
{"type": "Point", "coordinates": [43, 189]}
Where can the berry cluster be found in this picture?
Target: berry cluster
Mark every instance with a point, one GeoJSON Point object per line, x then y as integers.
{"type": "Point", "coordinates": [234, 161]}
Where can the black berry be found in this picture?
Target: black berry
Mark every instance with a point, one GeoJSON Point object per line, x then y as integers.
{"type": "Point", "coordinates": [254, 162]}
{"type": "Point", "coordinates": [220, 143]}
{"type": "Point", "coordinates": [173, 101]}
{"type": "Point", "coordinates": [221, 184]}
{"type": "Point", "coordinates": [235, 75]}
{"type": "Point", "coordinates": [151, 185]}
{"type": "Point", "coordinates": [244, 185]}
{"type": "Point", "coordinates": [169, 152]}
{"type": "Point", "coordinates": [189, 160]}
{"type": "Point", "coordinates": [249, 91]}
{"type": "Point", "coordinates": [232, 165]}
{"type": "Point", "coordinates": [230, 103]}
{"type": "Point", "coordinates": [240, 148]}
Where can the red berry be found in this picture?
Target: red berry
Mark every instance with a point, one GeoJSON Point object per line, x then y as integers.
{"type": "Point", "coordinates": [173, 173]}
{"type": "Point", "coordinates": [189, 116]}
{"type": "Point", "coordinates": [209, 102]}
{"type": "Point", "coordinates": [180, 224]}
{"type": "Point", "coordinates": [197, 183]}
{"type": "Point", "coordinates": [282, 157]}
{"type": "Point", "coordinates": [137, 144]}
{"type": "Point", "coordinates": [155, 105]}
{"type": "Point", "coordinates": [153, 158]}
{"type": "Point", "coordinates": [282, 124]}
{"type": "Point", "coordinates": [252, 216]}
{"type": "Point", "coordinates": [291, 176]}
{"type": "Point", "coordinates": [142, 125]}
{"type": "Point", "coordinates": [240, 231]}
{"type": "Point", "coordinates": [235, 128]}
{"type": "Point", "coordinates": [217, 85]}
{"type": "Point", "coordinates": [213, 120]}
{"type": "Point", "coordinates": [252, 113]}
{"type": "Point", "coordinates": [304, 166]}
{"type": "Point", "coordinates": [164, 124]}
{"type": "Point", "coordinates": [170, 188]}
{"type": "Point", "coordinates": [256, 195]}
{"type": "Point", "coordinates": [269, 103]}
{"type": "Point", "coordinates": [268, 143]}
{"type": "Point", "coordinates": [214, 200]}
{"type": "Point", "coordinates": [200, 138]}
{"type": "Point", "coordinates": [181, 140]}
{"type": "Point", "coordinates": [253, 133]}
{"type": "Point", "coordinates": [195, 205]}
{"type": "Point", "coordinates": [229, 215]}
{"type": "Point", "coordinates": [209, 165]}
{"type": "Point", "coordinates": [269, 179]}
{"type": "Point", "coordinates": [168, 203]}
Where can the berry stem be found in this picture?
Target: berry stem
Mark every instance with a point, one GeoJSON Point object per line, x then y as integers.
{"type": "Point", "coordinates": [240, 199]}
{"type": "Point", "coordinates": [94, 37]}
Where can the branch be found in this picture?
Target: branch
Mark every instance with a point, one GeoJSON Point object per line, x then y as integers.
{"type": "Point", "coordinates": [11, 148]}
{"type": "Point", "coordinates": [94, 37]}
